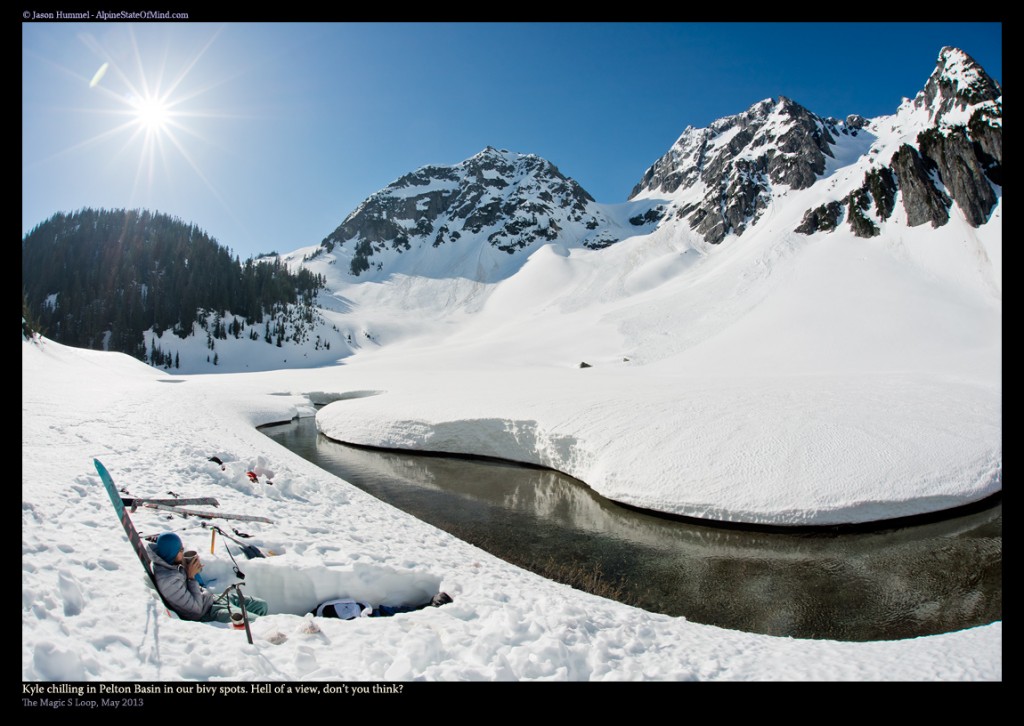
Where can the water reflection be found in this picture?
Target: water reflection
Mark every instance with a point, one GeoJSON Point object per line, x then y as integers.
{"type": "Point", "coordinates": [879, 585]}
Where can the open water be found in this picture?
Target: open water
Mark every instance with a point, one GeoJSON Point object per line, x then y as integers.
{"type": "Point", "coordinates": [888, 582]}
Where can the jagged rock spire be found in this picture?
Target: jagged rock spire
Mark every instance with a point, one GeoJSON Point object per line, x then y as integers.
{"type": "Point", "coordinates": [957, 82]}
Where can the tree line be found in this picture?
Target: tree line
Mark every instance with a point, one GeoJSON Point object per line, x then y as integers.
{"type": "Point", "coordinates": [100, 278]}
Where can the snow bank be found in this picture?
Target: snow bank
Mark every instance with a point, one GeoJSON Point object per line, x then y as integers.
{"type": "Point", "coordinates": [772, 450]}
{"type": "Point", "coordinates": [88, 613]}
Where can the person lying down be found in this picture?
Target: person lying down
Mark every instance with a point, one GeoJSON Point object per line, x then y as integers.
{"type": "Point", "coordinates": [183, 590]}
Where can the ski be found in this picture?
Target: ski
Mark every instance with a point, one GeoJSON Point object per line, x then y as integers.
{"type": "Point", "coordinates": [136, 501]}
{"type": "Point", "coordinates": [187, 512]}
{"type": "Point", "coordinates": [126, 522]}
{"type": "Point", "coordinates": [133, 535]}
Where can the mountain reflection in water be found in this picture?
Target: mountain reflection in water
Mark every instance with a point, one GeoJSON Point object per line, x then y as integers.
{"type": "Point", "coordinates": [878, 585]}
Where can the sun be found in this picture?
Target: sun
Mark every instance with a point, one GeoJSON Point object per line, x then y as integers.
{"type": "Point", "coordinates": [152, 83]}
{"type": "Point", "coordinates": [152, 113]}
{"type": "Point", "coordinates": [152, 123]}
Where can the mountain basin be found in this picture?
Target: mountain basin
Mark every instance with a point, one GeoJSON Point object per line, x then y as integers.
{"type": "Point", "coordinates": [886, 581]}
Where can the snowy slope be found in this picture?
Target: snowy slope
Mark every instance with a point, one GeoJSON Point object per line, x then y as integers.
{"type": "Point", "coordinates": [779, 377]}
{"type": "Point", "coordinates": [773, 376]}
{"type": "Point", "coordinates": [88, 614]}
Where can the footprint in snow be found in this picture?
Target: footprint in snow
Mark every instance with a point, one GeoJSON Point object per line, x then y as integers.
{"type": "Point", "coordinates": [71, 593]}
{"type": "Point", "coordinates": [305, 660]}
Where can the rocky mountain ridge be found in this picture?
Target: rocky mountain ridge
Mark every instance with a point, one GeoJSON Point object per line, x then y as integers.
{"type": "Point", "coordinates": [950, 152]}
{"type": "Point", "coordinates": [507, 201]}
{"type": "Point", "coordinates": [720, 178]}
{"type": "Point", "coordinates": [717, 181]}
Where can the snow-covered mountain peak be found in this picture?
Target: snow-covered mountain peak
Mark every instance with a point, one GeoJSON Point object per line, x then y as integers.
{"type": "Point", "coordinates": [720, 178]}
{"type": "Point", "coordinates": [956, 87]}
{"type": "Point", "coordinates": [471, 219]}
{"type": "Point", "coordinates": [489, 154]}
{"type": "Point", "coordinates": [942, 147]}
{"type": "Point", "coordinates": [776, 167]}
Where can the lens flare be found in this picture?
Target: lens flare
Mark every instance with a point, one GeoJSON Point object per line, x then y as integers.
{"type": "Point", "coordinates": [99, 75]}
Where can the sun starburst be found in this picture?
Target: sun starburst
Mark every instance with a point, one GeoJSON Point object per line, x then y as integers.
{"type": "Point", "coordinates": [152, 89]}
{"type": "Point", "coordinates": [152, 113]}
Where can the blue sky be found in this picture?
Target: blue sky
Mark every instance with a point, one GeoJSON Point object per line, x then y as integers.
{"type": "Point", "coordinates": [268, 134]}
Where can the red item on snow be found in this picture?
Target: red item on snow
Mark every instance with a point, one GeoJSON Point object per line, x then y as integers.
{"type": "Point", "coordinates": [252, 477]}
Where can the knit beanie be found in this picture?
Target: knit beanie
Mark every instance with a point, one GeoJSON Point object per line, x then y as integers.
{"type": "Point", "coordinates": [167, 546]}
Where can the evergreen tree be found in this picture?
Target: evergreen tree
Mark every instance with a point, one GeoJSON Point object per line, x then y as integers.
{"type": "Point", "coordinates": [100, 278]}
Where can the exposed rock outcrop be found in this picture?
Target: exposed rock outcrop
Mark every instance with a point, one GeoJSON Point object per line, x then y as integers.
{"type": "Point", "coordinates": [922, 199]}
{"type": "Point", "coordinates": [881, 185]}
{"type": "Point", "coordinates": [857, 203]}
{"type": "Point", "coordinates": [961, 171]}
{"type": "Point", "coordinates": [821, 219]}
